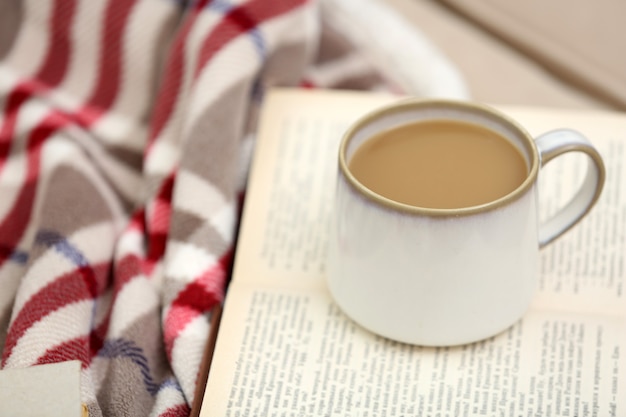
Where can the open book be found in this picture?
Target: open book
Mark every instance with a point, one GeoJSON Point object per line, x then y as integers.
{"type": "Point", "coordinates": [285, 349]}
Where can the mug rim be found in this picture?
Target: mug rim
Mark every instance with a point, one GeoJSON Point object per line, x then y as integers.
{"type": "Point", "coordinates": [465, 106]}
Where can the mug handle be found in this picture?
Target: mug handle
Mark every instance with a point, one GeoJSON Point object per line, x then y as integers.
{"type": "Point", "coordinates": [559, 142]}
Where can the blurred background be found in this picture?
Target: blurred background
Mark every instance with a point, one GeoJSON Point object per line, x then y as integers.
{"type": "Point", "coordinates": [566, 53]}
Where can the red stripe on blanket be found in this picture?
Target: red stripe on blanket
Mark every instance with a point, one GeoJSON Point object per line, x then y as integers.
{"type": "Point", "coordinates": [81, 284]}
{"type": "Point", "coordinates": [240, 20]}
{"type": "Point", "coordinates": [49, 75]}
{"type": "Point", "coordinates": [74, 349]}
{"type": "Point", "coordinates": [58, 56]}
{"type": "Point", "coordinates": [305, 83]}
{"type": "Point", "coordinates": [197, 298]}
{"type": "Point", "coordinates": [110, 70]}
{"type": "Point", "coordinates": [14, 101]}
{"type": "Point", "coordinates": [159, 221]}
{"type": "Point", "coordinates": [128, 268]}
{"type": "Point", "coordinates": [180, 410]}
{"type": "Point", "coordinates": [15, 222]}
{"type": "Point", "coordinates": [173, 75]}
{"type": "Point", "coordinates": [59, 51]}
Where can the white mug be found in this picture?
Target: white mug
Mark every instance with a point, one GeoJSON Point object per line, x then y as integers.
{"type": "Point", "coordinates": [440, 277]}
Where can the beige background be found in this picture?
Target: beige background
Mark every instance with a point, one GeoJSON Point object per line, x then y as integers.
{"type": "Point", "coordinates": [571, 53]}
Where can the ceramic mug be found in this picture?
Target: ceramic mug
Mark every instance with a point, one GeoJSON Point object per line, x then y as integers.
{"type": "Point", "coordinates": [440, 277]}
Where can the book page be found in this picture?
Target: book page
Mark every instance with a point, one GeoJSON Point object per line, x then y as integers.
{"type": "Point", "coordinates": [288, 352]}
{"type": "Point", "coordinates": [285, 349]}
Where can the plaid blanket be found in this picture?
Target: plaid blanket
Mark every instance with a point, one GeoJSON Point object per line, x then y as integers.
{"type": "Point", "coordinates": [125, 132]}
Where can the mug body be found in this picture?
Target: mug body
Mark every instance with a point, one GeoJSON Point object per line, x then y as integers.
{"type": "Point", "coordinates": [434, 277]}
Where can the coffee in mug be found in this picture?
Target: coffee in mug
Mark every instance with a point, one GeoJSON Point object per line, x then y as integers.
{"type": "Point", "coordinates": [435, 238]}
{"type": "Point", "coordinates": [439, 164]}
